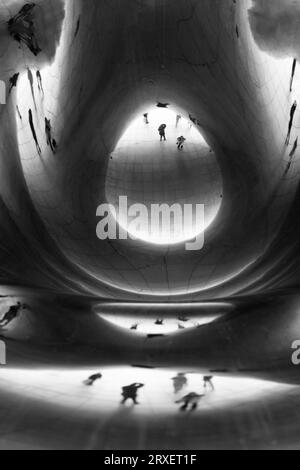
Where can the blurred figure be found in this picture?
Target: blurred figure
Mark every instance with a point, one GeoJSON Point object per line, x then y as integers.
{"type": "Point", "coordinates": [192, 119]}
{"type": "Point", "coordinates": [146, 118]}
{"type": "Point", "coordinates": [130, 392]}
{"type": "Point", "coordinates": [11, 314]}
{"type": "Point", "coordinates": [191, 400]}
{"type": "Point", "coordinates": [21, 28]}
{"type": "Point", "coordinates": [77, 27]}
{"type": "Point", "coordinates": [19, 114]}
{"type": "Point", "coordinates": [181, 327]}
{"type": "Point", "coordinates": [48, 131]}
{"type": "Point", "coordinates": [162, 132]}
{"type": "Point", "coordinates": [135, 326]}
{"type": "Point", "coordinates": [13, 81]}
{"type": "Point", "coordinates": [292, 115]}
{"type": "Point", "coordinates": [183, 319]}
{"type": "Point", "coordinates": [33, 132]}
{"type": "Point", "coordinates": [293, 74]}
{"type": "Point", "coordinates": [162, 105]}
{"type": "Point", "coordinates": [207, 382]}
{"type": "Point", "coordinates": [178, 119]}
{"type": "Point", "coordinates": [159, 322]}
{"type": "Point", "coordinates": [180, 142]}
{"type": "Point", "coordinates": [294, 149]}
{"type": "Point", "coordinates": [30, 79]}
{"type": "Point", "coordinates": [179, 382]}
{"type": "Point", "coordinates": [92, 379]}
{"type": "Point", "coordinates": [40, 81]}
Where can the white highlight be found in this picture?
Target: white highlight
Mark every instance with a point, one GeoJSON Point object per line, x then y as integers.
{"type": "Point", "coordinates": [2, 353]}
{"type": "Point", "coordinates": [2, 92]}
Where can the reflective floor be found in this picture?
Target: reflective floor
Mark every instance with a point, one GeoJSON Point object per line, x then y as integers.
{"type": "Point", "coordinates": [240, 413]}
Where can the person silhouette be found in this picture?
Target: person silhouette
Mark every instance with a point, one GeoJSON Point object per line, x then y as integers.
{"type": "Point", "coordinates": [146, 120]}
{"type": "Point", "coordinates": [294, 149]}
{"type": "Point", "coordinates": [191, 400]}
{"type": "Point", "coordinates": [19, 113]}
{"type": "Point", "coordinates": [293, 74]}
{"type": "Point", "coordinates": [92, 379]}
{"type": "Point", "coordinates": [11, 314]}
{"type": "Point", "coordinates": [13, 81]}
{"type": "Point", "coordinates": [178, 118]}
{"type": "Point", "coordinates": [292, 115]}
{"type": "Point", "coordinates": [179, 382]}
{"type": "Point", "coordinates": [33, 132]}
{"type": "Point", "coordinates": [48, 131]}
{"type": "Point", "coordinates": [162, 132]}
{"type": "Point", "coordinates": [40, 81]}
{"type": "Point", "coordinates": [130, 393]}
{"type": "Point", "coordinates": [207, 381]}
{"type": "Point", "coordinates": [180, 142]}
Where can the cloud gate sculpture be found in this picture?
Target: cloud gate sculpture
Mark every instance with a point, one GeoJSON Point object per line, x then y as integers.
{"type": "Point", "coordinates": [149, 210]}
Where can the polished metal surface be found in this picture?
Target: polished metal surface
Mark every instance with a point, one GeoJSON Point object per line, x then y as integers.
{"type": "Point", "coordinates": [143, 310]}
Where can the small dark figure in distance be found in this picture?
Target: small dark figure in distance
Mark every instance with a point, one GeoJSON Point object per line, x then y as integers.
{"type": "Point", "coordinates": [292, 115]}
{"type": "Point", "coordinates": [48, 131]}
{"type": "Point", "coordinates": [13, 81]}
{"type": "Point", "coordinates": [180, 142]}
{"type": "Point", "coordinates": [92, 379]}
{"type": "Point", "coordinates": [191, 400]}
{"type": "Point", "coordinates": [207, 382]}
{"type": "Point", "coordinates": [162, 132]}
{"type": "Point", "coordinates": [179, 382]}
{"type": "Point", "coordinates": [130, 393]}
{"type": "Point", "coordinates": [30, 117]}
{"type": "Point", "coordinates": [11, 314]}
{"type": "Point", "coordinates": [293, 74]}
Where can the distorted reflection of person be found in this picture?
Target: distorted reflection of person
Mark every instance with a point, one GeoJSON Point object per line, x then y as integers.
{"type": "Point", "coordinates": [21, 28]}
{"type": "Point", "coordinates": [190, 401]}
{"type": "Point", "coordinates": [207, 382]}
{"type": "Point", "coordinates": [180, 142]}
{"type": "Point", "coordinates": [292, 115]}
{"type": "Point", "coordinates": [179, 382]}
{"type": "Point", "coordinates": [92, 379]}
{"type": "Point", "coordinates": [162, 132]}
{"type": "Point", "coordinates": [12, 314]}
{"type": "Point", "coordinates": [130, 392]}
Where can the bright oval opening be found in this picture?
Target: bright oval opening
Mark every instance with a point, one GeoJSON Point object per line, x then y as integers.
{"type": "Point", "coordinates": [172, 194]}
